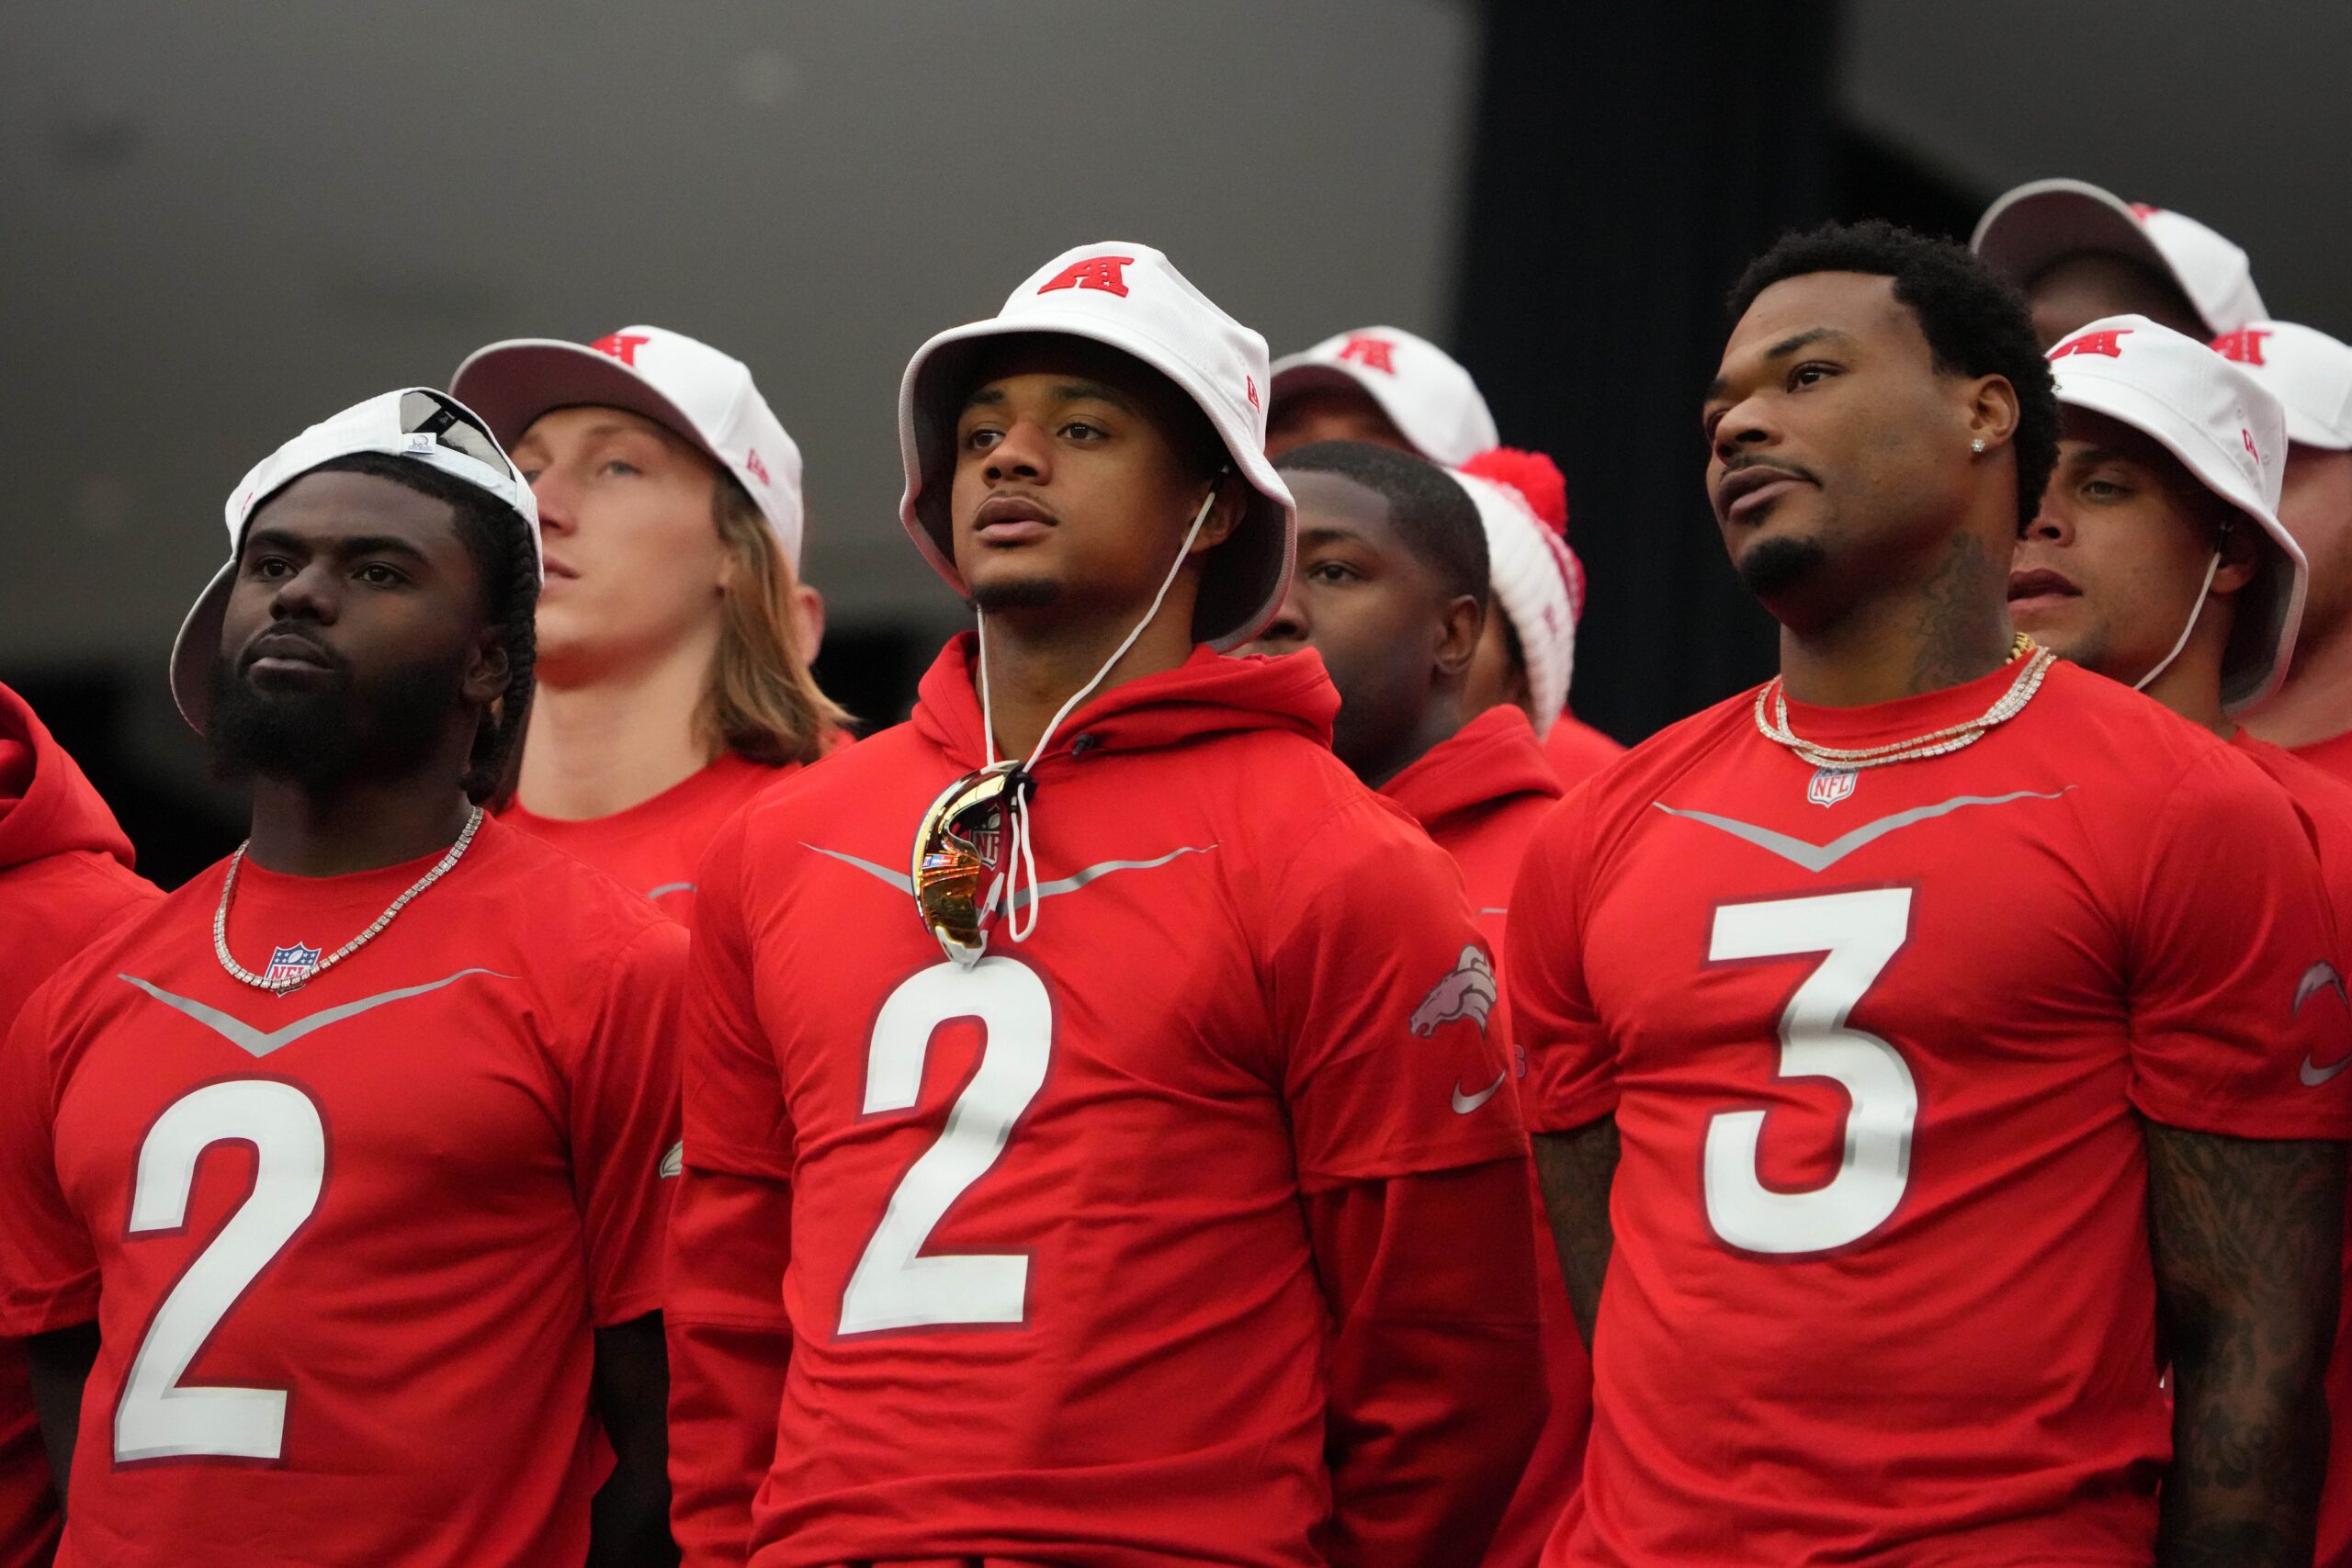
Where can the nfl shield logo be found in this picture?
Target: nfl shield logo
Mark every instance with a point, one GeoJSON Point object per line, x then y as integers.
{"type": "Point", "coordinates": [1829, 785]}
{"type": "Point", "coordinates": [293, 963]}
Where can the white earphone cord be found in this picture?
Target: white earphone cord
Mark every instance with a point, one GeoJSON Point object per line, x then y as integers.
{"type": "Point", "coordinates": [1024, 859]}
{"type": "Point", "coordinates": [2195, 611]}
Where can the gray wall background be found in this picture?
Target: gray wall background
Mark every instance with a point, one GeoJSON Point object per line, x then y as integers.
{"type": "Point", "coordinates": [220, 221]}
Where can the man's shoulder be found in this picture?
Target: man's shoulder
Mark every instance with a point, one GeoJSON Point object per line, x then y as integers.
{"type": "Point", "coordinates": [52, 907]}
{"type": "Point", "coordinates": [564, 907]}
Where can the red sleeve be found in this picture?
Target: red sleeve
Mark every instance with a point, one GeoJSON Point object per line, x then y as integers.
{"type": "Point", "coordinates": [730, 1235]}
{"type": "Point", "coordinates": [49, 1273]}
{"type": "Point", "coordinates": [1385, 999]}
{"type": "Point", "coordinates": [1571, 1067]}
{"type": "Point", "coordinates": [625, 1122]}
{"type": "Point", "coordinates": [2237, 1010]}
{"type": "Point", "coordinates": [1438, 1391]}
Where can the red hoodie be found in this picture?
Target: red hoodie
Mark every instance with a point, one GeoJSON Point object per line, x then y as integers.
{"type": "Point", "coordinates": [66, 876]}
{"type": "Point", "coordinates": [1577, 751]}
{"type": "Point", "coordinates": [1217, 1257]}
{"type": "Point", "coordinates": [1481, 795]}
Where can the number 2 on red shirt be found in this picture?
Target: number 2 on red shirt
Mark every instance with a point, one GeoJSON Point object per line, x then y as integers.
{"type": "Point", "coordinates": [893, 1286]}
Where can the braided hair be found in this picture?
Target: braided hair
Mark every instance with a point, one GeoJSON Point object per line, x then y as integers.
{"type": "Point", "coordinates": [494, 536]}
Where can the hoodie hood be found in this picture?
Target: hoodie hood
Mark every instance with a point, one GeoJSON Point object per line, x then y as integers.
{"type": "Point", "coordinates": [1491, 759]}
{"type": "Point", "coordinates": [48, 806]}
{"type": "Point", "coordinates": [1209, 693]}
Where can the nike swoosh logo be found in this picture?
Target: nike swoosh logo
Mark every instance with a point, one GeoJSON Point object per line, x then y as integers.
{"type": "Point", "coordinates": [2320, 976]}
{"type": "Point", "coordinates": [1466, 1103]}
{"type": "Point", "coordinates": [256, 1043]}
{"type": "Point", "coordinates": [1070, 883]}
{"type": "Point", "coordinates": [669, 887]}
{"type": "Point", "coordinates": [1821, 857]}
{"type": "Point", "coordinates": [673, 1161]}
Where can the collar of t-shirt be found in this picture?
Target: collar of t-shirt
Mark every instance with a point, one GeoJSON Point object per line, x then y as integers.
{"type": "Point", "coordinates": [48, 806]}
{"type": "Point", "coordinates": [1209, 693]}
{"type": "Point", "coordinates": [1493, 758]}
{"type": "Point", "coordinates": [1907, 718]}
{"type": "Point", "coordinates": [725, 776]}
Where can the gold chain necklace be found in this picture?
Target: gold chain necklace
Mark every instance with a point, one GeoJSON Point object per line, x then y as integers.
{"type": "Point", "coordinates": [1772, 719]}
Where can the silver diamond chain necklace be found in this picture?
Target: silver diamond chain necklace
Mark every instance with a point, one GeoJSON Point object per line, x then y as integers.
{"type": "Point", "coordinates": [278, 988]}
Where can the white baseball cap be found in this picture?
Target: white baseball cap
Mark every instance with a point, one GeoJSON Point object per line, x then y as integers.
{"type": "Point", "coordinates": [2043, 221]}
{"type": "Point", "coordinates": [413, 423]}
{"type": "Point", "coordinates": [1531, 573]}
{"type": "Point", "coordinates": [2230, 432]}
{"type": "Point", "coordinates": [1424, 390]}
{"type": "Point", "coordinates": [1129, 297]}
{"type": "Point", "coordinates": [2309, 372]}
{"type": "Point", "coordinates": [704, 398]}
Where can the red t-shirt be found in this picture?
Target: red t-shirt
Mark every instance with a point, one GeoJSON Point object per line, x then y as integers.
{"type": "Point", "coordinates": [346, 1247]}
{"type": "Point", "coordinates": [2333, 755]}
{"type": "Point", "coordinates": [1577, 751]}
{"type": "Point", "coordinates": [2326, 803]}
{"type": "Point", "coordinates": [1480, 795]}
{"type": "Point", "coordinates": [1881, 1289]}
{"type": "Point", "coordinates": [65, 878]}
{"type": "Point", "coordinates": [1077, 1318]}
{"type": "Point", "coordinates": [656, 846]}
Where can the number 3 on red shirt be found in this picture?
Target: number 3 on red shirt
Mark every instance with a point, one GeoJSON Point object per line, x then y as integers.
{"type": "Point", "coordinates": [1858, 934]}
{"type": "Point", "coordinates": [893, 1286]}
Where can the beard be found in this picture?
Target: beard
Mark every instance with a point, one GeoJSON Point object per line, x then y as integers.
{"type": "Point", "coordinates": [1773, 567]}
{"type": "Point", "coordinates": [343, 728]}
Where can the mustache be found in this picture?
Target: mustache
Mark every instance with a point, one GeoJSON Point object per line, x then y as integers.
{"type": "Point", "coordinates": [279, 639]}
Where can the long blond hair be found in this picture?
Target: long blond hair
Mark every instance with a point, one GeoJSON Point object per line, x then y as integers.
{"type": "Point", "coordinates": [762, 703]}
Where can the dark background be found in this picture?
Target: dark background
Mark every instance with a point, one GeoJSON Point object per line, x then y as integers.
{"type": "Point", "coordinates": [221, 226]}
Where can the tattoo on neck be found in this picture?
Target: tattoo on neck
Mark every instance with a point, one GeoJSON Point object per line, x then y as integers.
{"type": "Point", "coordinates": [1959, 625]}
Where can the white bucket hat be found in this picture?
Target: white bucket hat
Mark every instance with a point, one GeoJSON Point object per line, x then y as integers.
{"type": "Point", "coordinates": [2037, 223]}
{"type": "Point", "coordinates": [1424, 390]}
{"type": "Point", "coordinates": [2309, 372]}
{"type": "Point", "coordinates": [1532, 576]}
{"type": "Point", "coordinates": [1130, 298]}
{"type": "Point", "coordinates": [704, 398]}
{"type": "Point", "coordinates": [2230, 432]}
{"type": "Point", "coordinates": [413, 423]}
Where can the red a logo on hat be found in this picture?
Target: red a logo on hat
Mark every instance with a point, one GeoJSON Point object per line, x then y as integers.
{"type": "Point", "coordinates": [2245, 345]}
{"type": "Point", "coordinates": [1249, 385]}
{"type": "Point", "coordinates": [2143, 210]}
{"type": "Point", "coordinates": [2247, 436]}
{"type": "Point", "coordinates": [2093, 343]}
{"type": "Point", "coordinates": [1095, 272]}
{"type": "Point", "coordinates": [1373, 352]}
{"type": "Point", "coordinates": [758, 469]}
{"type": "Point", "coordinates": [622, 347]}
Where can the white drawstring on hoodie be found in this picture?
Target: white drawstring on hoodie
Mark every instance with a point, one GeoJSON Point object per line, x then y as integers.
{"type": "Point", "coordinates": [2195, 611]}
{"type": "Point", "coordinates": [1023, 858]}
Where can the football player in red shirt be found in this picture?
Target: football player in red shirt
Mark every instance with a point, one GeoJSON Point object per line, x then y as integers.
{"type": "Point", "coordinates": [65, 878]}
{"type": "Point", "coordinates": [1912, 1036]}
{"type": "Point", "coordinates": [1386, 387]}
{"type": "Point", "coordinates": [1390, 587]}
{"type": "Point", "coordinates": [2163, 514]}
{"type": "Point", "coordinates": [1113, 1040]}
{"type": "Point", "coordinates": [674, 633]}
{"type": "Point", "coordinates": [2312, 374]}
{"type": "Point", "coordinates": [371, 1237]}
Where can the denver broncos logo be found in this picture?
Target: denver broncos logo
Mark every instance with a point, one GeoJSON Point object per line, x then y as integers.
{"type": "Point", "coordinates": [1467, 991]}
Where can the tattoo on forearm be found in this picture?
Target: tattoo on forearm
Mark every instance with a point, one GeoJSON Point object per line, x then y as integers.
{"type": "Point", "coordinates": [1575, 1171]}
{"type": "Point", "coordinates": [2248, 1239]}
